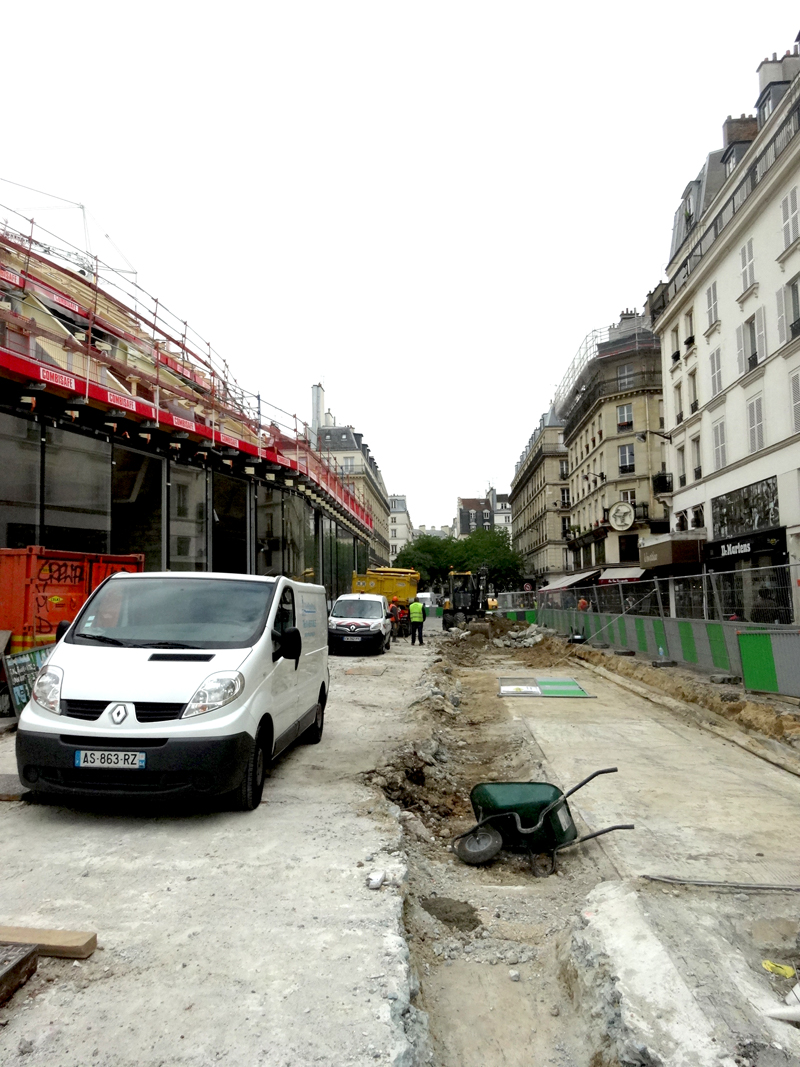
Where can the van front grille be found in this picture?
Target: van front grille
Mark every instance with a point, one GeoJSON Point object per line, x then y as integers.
{"type": "Point", "coordinates": [146, 710]}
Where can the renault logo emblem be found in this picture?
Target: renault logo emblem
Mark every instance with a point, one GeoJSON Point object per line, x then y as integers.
{"type": "Point", "coordinates": [119, 714]}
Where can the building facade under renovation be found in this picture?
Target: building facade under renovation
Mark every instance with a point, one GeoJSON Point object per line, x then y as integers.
{"type": "Point", "coordinates": [121, 432]}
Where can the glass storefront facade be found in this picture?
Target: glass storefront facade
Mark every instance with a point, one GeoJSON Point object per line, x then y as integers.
{"type": "Point", "coordinates": [79, 492]}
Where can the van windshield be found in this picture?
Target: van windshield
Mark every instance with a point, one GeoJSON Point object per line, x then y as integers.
{"type": "Point", "coordinates": [357, 609]}
{"type": "Point", "coordinates": [175, 613]}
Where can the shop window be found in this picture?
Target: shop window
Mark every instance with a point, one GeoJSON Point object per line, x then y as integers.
{"type": "Point", "coordinates": [229, 524]}
{"type": "Point", "coordinates": [269, 531]}
{"type": "Point", "coordinates": [629, 548]}
{"type": "Point", "coordinates": [19, 482]}
{"type": "Point", "coordinates": [78, 493]}
{"type": "Point", "coordinates": [187, 519]}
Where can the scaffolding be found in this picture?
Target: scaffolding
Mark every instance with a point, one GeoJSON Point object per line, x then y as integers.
{"type": "Point", "coordinates": [87, 329]}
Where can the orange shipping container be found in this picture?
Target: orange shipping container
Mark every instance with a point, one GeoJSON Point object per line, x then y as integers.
{"type": "Point", "coordinates": [39, 587]}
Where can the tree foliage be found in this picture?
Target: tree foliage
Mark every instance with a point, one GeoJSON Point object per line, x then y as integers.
{"type": "Point", "coordinates": [434, 556]}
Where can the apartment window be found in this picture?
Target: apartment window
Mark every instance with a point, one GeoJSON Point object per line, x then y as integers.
{"type": "Point", "coordinates": [678, 393]}
{"type": "Point", "coordinates": [626, 460]}
{"type": "Point", "coordinates": [788, 299]}
{"type": "Point", "coordinates": [628, 495]}
{"type": "Point", "coordinates": [711, 301]}
{"type": "Point", "coordinates": [688, 322]}
{"type": "Point", "coordinates": [486, 514]}
{"type": "Point", "coordinates": [720, 448]}
{"type": "Point", "coordinates": [693, 402]}
{"type": "Point", "coordinates": [681, 466]}
{"type": "Point", "coordinates": [789, 218]}
{"type": "Point", "coordinates": [715, 359]}
{"type": "Point", "coordinates": [563, 468]}
{"type": "Point", "coordinates": [751, 341]}
{"type": "Point", "coordinates": [625, 376]}
{"type": "Point", "coordinates": [795, 384]}
{"type": "Point", "coordinates": [675, 343]}
{"type": "Point", "coordinates": [393, 518]}
{"type": "Point", "coordinates": [624, 417]}
{"type": "Point", "coordinates": [486, 526]}
{"type": "Point", "coordinates": [661, 414]}
{"type": "Point", "coordinates": [472, 516]}
{"type": "Point", "coordinates": [348, 464]}
{"type": "Point", "coordinates": [755, 423]}
{"type": "Point", "coordinates": [696, 465]}
{"type": "Point", "coordinates": [393, 533]}
{"type": "Point", "coordinates": [748, 268]}
{"type": "Point", "coordinates": [565, 525]}
{"type": "Point", "coordinates": [565, 498]}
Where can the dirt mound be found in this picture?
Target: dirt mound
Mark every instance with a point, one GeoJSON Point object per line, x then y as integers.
{"type": "Point", "coordinates": [455, 913]}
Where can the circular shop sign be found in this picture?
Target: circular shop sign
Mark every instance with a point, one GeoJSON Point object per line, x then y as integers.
{"type": "Point", "coordinates": [621, 515]}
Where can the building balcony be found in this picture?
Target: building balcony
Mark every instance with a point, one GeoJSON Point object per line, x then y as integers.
{"type": "Point", "coordinates": [794, 328]}
{"type": "Point", "coordinates": [681, 480]}
{"type": "Point", "coordinates": [662, 483]}
{"type": "Point", "coordinates": [676, 356]}
{"type": "Point", "coordinates": [661, 422]}
{"type": "Point", "coordinates": [689, 341]}
{"type": "Point", "coordinates": [627, 468]}
{"type": "Point", "coordinates": [695, 404]}
{"type": "Point", "coordinates": [679, 418]}
{"type": "Point", "coordinates": [624, 427]}
{"type": "Point", "coordinates": [698, 473]}
{"type": "Point", "coordinates": [752, 361]}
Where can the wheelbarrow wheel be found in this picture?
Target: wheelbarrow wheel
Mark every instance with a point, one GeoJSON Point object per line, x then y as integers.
{"type": "Point", "coordinates": [479, 846]}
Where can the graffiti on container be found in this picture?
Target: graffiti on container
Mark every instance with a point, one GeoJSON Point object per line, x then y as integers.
{"type": "Point", "coordinates": [44, 597]}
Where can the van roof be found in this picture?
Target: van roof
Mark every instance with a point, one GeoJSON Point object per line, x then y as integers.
{"type": "Point", "coordinates": [198, 575]}
{"type": "Point", "coordinates": [361, 596]}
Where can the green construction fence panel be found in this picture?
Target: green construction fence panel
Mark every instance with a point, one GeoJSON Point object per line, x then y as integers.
{"type": "Point", "coordinates": [623, 633]}
{"type": "Point", "coordinates": [530, 616]}
{"type": "Point", "coordinates": [641, 635]}
{"type": "Point", "coordinates": [758, 662]}
{"type": "Point", "coordinates": [660, 635]}
{"type": "Point", "coordinates": [688, 646]}
{"type": "Point", "coordinates": [719, 649]}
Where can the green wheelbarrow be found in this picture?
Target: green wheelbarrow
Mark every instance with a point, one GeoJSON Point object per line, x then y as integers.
{"type": "Point", "coordinates": [529, 816]}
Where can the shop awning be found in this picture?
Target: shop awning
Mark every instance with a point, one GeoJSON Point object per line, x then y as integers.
{"type": "Point", "coordinates": [620, 574]}
{"type": "Point", "coordinates": [569, 579]}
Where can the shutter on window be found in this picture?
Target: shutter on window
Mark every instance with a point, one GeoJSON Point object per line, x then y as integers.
{"type": "Point", "coordinates": [759, 424]}
{"type": "Point", "coordinates": [761, 334]}
{"type": "Point", "coordinates": [710, 301]}
{"type": "Point", "coordinates": [781, 317]}
{"type": "Point", "coordinates": [744, 267]}
{"type": "Point", "coordinates": [751, 275]}
{"type": "Point", "coordinates": [740, 348]}
{"type": "Point", "coordinates": [722, 456]}
{"type": "Point", "coordinates": [796, 402]}
{"type": "Point", "coordinates": [793, 213]}
{"type": "Point", "coordinates": [751, 425]}
{"type": "Point", "coordinates": [787, 240]}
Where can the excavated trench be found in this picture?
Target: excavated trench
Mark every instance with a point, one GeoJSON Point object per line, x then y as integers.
{"type": "Point", "coordinates": [490, 944]}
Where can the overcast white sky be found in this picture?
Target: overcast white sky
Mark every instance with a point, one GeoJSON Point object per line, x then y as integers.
{"type": "Point", "coordinates": [425, 205]}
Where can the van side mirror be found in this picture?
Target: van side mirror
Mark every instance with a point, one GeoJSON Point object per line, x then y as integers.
{"type": "Point", "coordinates": [290, 645]}
{"type": "Point", "coordinates": [62, 628]}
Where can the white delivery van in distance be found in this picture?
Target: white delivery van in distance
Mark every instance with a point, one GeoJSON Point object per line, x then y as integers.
{"type": "Point", "coordinates": [177, 682]}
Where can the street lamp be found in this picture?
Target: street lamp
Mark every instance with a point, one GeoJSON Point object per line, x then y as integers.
{"type": "Point", "coordinates": [642, 437]}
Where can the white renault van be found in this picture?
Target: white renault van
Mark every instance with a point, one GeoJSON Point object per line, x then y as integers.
{"type": "Point", "coordinates": [361, 622]}
{"type": "Point", "coordinates": [171, 683]}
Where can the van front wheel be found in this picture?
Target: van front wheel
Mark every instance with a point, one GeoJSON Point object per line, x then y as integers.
{"type": "Point", "coordinates": [249, 794]}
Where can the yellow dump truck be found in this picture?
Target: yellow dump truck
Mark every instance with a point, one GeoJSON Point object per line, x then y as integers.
{"type": "Point", "coordinates": [389, 582]}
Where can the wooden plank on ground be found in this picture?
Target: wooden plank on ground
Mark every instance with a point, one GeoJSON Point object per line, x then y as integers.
{"type": "Point", "coordinates": [70, 944]}
{"type": "Point", "coordinates": [17, 963]}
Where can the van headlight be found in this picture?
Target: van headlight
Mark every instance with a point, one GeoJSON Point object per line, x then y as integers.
{"type": "Point", "coordinates": [47, 689]}
{"type": "Point", "coordinates": [215, 692]}
{"type": "Point", "coordinates": [375, 625]}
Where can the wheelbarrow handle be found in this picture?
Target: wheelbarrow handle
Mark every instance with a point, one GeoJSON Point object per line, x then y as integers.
{"type": "Point", "coordinates": [597, 833]}
{"type": "Point", "coordinates": [580, 785]}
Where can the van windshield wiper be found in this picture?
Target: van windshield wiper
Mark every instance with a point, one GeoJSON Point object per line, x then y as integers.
{"type": "Point", "coordinates": [163, 644]}
{"type": "Point", "coordinates": [99, 637]}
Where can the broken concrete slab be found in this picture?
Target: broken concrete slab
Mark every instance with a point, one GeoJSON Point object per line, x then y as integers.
{"type": "Point", "coordinates": [726, 679]}
{"type": "Point", "coordinates": [66, 944]}
{"type": "Point", "coordinates": [17, 964]}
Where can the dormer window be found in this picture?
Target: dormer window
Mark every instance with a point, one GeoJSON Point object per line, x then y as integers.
{"type": "Point", "coordinates": [472, 516]}
{"type": "Point", "coordinates": [486, 514]}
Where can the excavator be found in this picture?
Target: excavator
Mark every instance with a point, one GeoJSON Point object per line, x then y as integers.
{"type": "Point", "coordinates": [467, 598]}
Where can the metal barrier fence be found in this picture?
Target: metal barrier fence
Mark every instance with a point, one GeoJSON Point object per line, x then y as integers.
{"type": "Point", "coordinates": [524, 600]}
{"type": "Point", "coordinates": [761, 595]}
